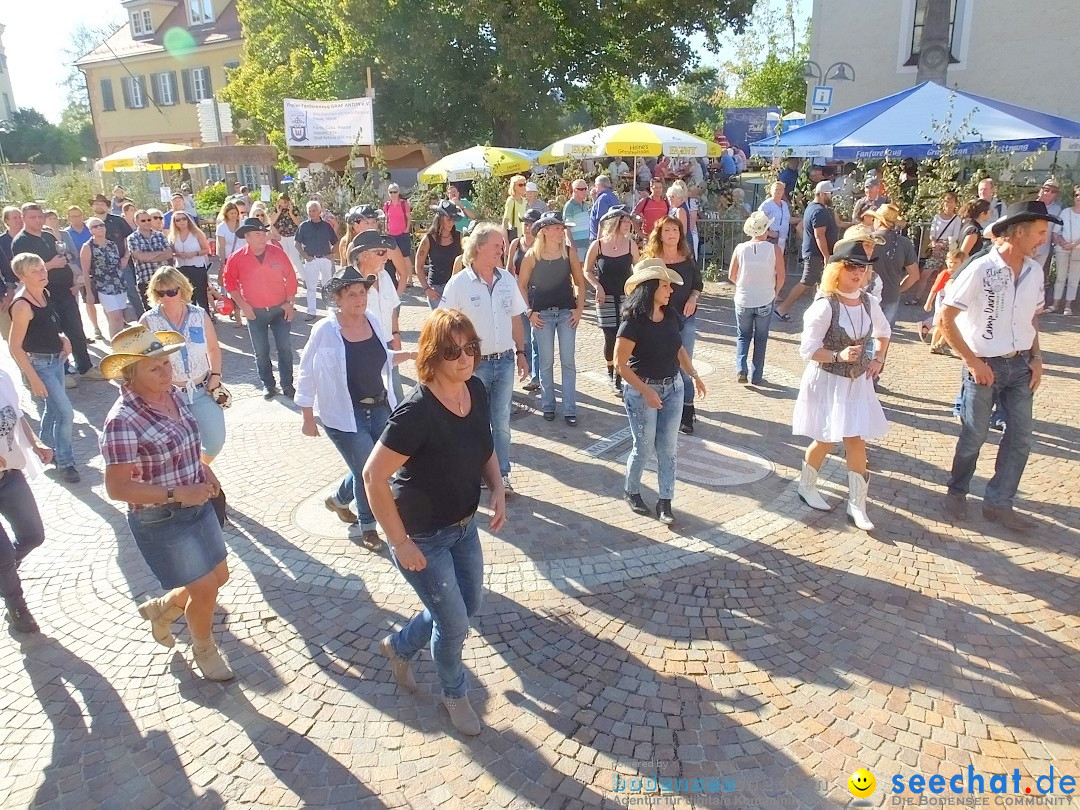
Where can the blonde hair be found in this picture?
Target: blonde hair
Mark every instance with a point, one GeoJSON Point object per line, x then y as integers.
{"type": "Point", "coordinates": [479, 237]}
{"type": "Point", "coordinates": [830, 277]}
{"type": "Point", "coordinates": [192, 227]}
{"type": "Point", "coordinates": [24, 263]}
{"type": "Point", "coordinates": [169, 276]}
{"type": "Point", "coordinates": [538, 245]}
{"type": "Point", "coordinates": [517, 178]}
{"type": "Point", "coordinates": [609, 229]}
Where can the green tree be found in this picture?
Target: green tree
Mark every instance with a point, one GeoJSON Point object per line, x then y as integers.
{"type": "Point", "coordinates": [767, 70]}
{"type": "Point", "coordinates": [664, 108]}
{"type": "Point", "coordinates": [462, 73]}
{"type": "Point", "coordinates": [34, 140]}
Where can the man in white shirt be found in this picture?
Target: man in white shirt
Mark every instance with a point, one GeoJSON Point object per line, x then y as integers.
{"type": "Point", "coordinates": [490, 297]}
{"type": "Point", "coordinates": [988, 191]}
{"type": "Point", "coordinates": [989, 320]}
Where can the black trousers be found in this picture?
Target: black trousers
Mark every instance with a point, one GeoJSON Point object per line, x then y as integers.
{"type": "Point", "coordinates": [67, 310]}
{"type": "Point", "coordinates": [18, 506]}
{"type": "Point", "coordinates": [200, 281]}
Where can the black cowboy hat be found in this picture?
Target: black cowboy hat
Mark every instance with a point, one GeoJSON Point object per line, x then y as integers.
{"type": "Point", "coordinates": [853, 252]}
{"type": "Point", "coordinates": [618, 211]}
{"type": "Point", "coordinates": [252, 224]}
{"type": "Point", "coordinates": [343, 278]}
{"type": "Point", "coordinates": [360, 212]}
{"type": "Point", "coordinates": [448, 208]}
{"type": "Point", "coordinates": [1017, 213]}
{"type": "Point", "coordinates": [546, 219]}
{"type": "Point", "coordinates": [531, 216]}
{"type": "Point", "coordinates": [369, 240]}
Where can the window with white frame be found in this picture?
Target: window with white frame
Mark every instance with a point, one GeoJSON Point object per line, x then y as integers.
{"type": "Point", "coordinates": [200, 83]}
{"type": "Point", "coordinates": [135, 96]}
{"type": "Point", "coordinates": [136, 23]}
{"type": "Point", "coordinates": [200, 12]}
{"type": "Point", "coordinates": [165, 84]}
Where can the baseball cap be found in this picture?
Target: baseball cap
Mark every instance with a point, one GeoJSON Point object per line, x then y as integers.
{"type": "Point", "coordinates": [531, 186]}
{"type": "Point", "coordinates": [872, 180]}
{"type": "Point", "coordinates": [826, 187]}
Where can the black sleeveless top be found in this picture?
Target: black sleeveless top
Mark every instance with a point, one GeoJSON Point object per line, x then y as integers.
{"type": "Point", "coordinates": [441, 259]}
{"type": "Point", "coordinates": [43, 332]}
{"type": "Point", "coordinates": [519, 254]}
{"type": "Point", "coordinates": [550, 285]}
{"type": "Point", "coordinates": [613, 271]}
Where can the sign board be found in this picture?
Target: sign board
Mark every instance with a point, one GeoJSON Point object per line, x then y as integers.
{"type": "Point", "coordinates": [744, 125]}
{"type": "Point", "coordinates": [213, 124]}
{"type": "Point", "coordinates": [822, 100]}
{"type": "Point", "coordinates": [329, 123]}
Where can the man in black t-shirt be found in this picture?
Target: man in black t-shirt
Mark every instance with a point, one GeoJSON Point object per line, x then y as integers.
{"type": "Point", "coordinates": [61, 287]}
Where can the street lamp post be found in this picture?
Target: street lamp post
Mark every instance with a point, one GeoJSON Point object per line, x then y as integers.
{"type": "Point", "coordinates": [837, 71]}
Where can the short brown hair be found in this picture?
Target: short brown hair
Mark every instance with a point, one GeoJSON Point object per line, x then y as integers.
{"type": "Point", "coordinates": [436, 336]}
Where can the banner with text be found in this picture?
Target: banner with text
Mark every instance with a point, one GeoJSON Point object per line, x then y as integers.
{"type": "Point", "coordinates": [329, 123]}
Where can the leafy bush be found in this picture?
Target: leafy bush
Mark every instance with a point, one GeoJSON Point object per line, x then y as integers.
{"type": "Point", "coordinates": [208, 201]}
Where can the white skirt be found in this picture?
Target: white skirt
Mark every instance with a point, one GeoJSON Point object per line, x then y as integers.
{"type": "Point", "coordinates": [830, 407]}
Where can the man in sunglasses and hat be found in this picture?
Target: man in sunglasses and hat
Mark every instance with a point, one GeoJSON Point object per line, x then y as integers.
{"type": "Point", "coordinates": [261, 280]}
{"type": "Point", "coordinates": [364, 218]}
{"type": "Point", "coordinates": [989, 319]}
{"type": "Point", "coordinates": [898, 261]}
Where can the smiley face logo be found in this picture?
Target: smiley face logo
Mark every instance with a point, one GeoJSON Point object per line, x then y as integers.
{"type": "Point", "coordinates": [861, 783]}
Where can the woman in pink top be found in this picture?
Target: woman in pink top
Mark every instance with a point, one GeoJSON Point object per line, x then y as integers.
{"type": "Point", "coordinates": [398, 219]}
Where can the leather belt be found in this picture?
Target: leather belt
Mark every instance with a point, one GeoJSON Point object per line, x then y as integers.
{"type": "Point", "coordinates": [1009, 356]}
{"type": "Point", "coordinates": [660, 381]}
{"type": "Point", "coordinates": [495, 356]}
{"type": "Point", "coordinates": [371, 402]}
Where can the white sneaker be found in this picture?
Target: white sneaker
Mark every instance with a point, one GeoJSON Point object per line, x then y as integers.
{"type": "Point", "coordinates": [506, 486]}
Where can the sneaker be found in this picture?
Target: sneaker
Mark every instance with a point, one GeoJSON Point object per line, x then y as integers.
{"type": "Point", "coordinates": [462, 715]}
{"type": "Point", "coordinates": [506, 486]}
{"type": "Point", "coordinates": [269, 394]}
{"type": "Point", "coordinates": [71, 381]}
{"type": "Point", "coordinates": [1067, 311]}
{"type": "Point", "coordinates": [93, 374]}
{"type": "Point", "coordinates": [400, 668]}
{"type": "Point", "coordinates": [18, 616]}
{"type": "Point", "coordinates": [70, 474]}
{"type": "Point", "coordinates": [742, 379]}
{"type": "Point", "coordinates": [344, 513]}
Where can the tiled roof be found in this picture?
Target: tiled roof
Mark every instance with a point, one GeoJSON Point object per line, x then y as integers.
{"type": "Point", "coordinates": [122, 45]}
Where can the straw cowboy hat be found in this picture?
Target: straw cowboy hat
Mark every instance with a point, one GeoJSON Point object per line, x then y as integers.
{"type": "Point", "coordinates": [756, 224]}
{"type": "Point", "coordinates": [889, 216]}
{"type": "Point", "coordinates": [136, 343]}
{"type": "Point", "coordinates": [647, 270]}
{"type": "Point", "coordinates": [862, 233]}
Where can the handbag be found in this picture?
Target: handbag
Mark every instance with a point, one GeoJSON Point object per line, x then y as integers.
{"type": "Point", "coordinates": [218, 502]}
{"type": "Point", "coordinates": [222, 396]}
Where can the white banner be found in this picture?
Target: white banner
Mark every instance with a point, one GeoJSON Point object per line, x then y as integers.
{"type": "Point", "coordinates": [329, 123]}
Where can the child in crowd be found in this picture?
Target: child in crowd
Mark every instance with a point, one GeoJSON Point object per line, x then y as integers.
{"type": "Point", "coordinates": [953, 259]}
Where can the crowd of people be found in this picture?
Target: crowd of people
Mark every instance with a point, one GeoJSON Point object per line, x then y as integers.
{"type": "Point", "coordinates": [503, 296]}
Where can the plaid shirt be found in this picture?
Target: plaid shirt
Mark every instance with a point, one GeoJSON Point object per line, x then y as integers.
{"type": "Point", "coordinates": [164, 452]}
{"type": "Point", "coordinates": [154, 243]}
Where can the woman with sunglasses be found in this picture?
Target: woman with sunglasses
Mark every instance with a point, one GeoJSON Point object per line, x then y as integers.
{"type": "Point", "coordinates": [190, 249]}
{"type": "Point", "coordinates": [197, 367]}
{"type": "Point", "coordinates": [100, 258]}
{"type": "Point", "coordinates": [345, 379]}
{"type": "Point", "coordinates": [423, 483]}
{"type": "Point", "coordinates": [836, 401]}
{"type": "Point", "coordinates": [515, 208]}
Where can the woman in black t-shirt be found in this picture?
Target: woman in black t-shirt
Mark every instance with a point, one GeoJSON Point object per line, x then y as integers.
{"type": "Point", "coordinates": [423, 484]}
{"type": "Point", "coordinates": [975, 215]}
{"type": "Point", "coordinates": [650, 354]}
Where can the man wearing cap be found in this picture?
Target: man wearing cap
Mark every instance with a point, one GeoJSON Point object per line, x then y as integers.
{"type": "Point", "coordinates": [988, 192]}
{"type": "Point", "coordinates": [603, 199]}
{"type": "Point", "coordinates": [532, 198]}
{"type": "Point", "coordinates": [398, 219]}
{"type": "Point", "coordinates": [315, 240]}
{"type": "Point", "coordinates": [819, 235]}
{"type": "Point", "coordinates": [989, 318]}
{"type": "Point", "coordinates": [898, 262]}
{"type": "Point", "coordinates": [488, 294]}
{"type": "Point", "coordinates": [1048, 195]}
{"type": "Point", "coordinates": [872, 198]}
{"type": "Point", "coordinates": [261, 280]}
{"type": "Point", "coordinates": [576, 216]}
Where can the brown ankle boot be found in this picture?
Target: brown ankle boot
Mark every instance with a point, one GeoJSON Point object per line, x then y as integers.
{"type": "Point", "coordinates": [462, 715]}
{"type": "Point", "coordinates": [161, 614]}
{"type": "Point", "coordinates": [210, 662]}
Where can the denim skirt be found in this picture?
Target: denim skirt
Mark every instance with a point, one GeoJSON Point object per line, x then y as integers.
{"type": "Point", "coordinates": [179, 543]}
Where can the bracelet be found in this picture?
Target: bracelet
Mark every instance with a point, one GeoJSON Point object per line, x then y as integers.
{"type": "Point", "coordinates": [395, 333]}
{"type": "Point", "coordinates": [215, 374]}
{"type": "Point", "coordinates": [520, 351]}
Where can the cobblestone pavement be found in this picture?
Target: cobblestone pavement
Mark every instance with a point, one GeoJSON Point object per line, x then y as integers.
{"type": "Point", "coordinates": [758, 642]}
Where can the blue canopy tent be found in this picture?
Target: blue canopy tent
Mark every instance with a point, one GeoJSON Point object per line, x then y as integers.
{"type": "Point", "coordinates": [903, 125]}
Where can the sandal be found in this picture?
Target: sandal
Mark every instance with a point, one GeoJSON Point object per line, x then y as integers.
{"type": "Point", "coordinates": [911, 302]}
{"type": "Point", "coordinates": [924, 330]}
{"type": "Point", "coordinates": [783, 316]}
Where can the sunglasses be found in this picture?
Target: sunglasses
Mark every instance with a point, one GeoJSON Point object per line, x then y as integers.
{"type": "Point", "coordinates": [96, 226]}
{"type": "Point", "coordinates": [393, 192]}
{"type": "Point", "coordinates": [142, 221]}
{"type": "Point", "coordinates": [169, 293]}
{"type": "Point", "coordinates": [472, 348]}
{"type": "Point", "coordinates": [161, 217]}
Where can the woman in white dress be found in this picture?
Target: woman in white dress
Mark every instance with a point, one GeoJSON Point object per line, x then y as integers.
{"type": "Point", "coordinates": [837, 402]}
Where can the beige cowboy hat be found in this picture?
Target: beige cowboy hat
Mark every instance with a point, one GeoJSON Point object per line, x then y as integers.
{"type": "Point", "coordinates": [888, 215]}
{"type": "Point", "coordinates": [862, 233]}
{"type": "Point", "coordinates": [647, 270]}
{"type": "Point", "coordinates": [756, 224]}
{"type": "Point", "coordinates": [136, 343]}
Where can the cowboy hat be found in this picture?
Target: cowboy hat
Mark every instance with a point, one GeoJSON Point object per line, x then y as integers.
{"type": "Point", "coordinates": [647, 270]}
{"type": "Point", "coordinates": [1051, 182]}
{"type": "Point", "coordinates": [862, 233]}
{"type": "Point", "coordinates": [345, 277]}
{"type": "Point", "coordinates": [853, 252]}
{"type": "Point", "coordinates": [360, 212]}
{"type": "Point", "coordinates": [756, 224]}
{"type": "Point", "coordinates": [448, 208]}
{"type": "Point", "coordinates": [369, 240]}
{"type": "Point", "coordinates": [1018, 213]}
{"type": "Point", "coordinates": [547, 219]}
{"type": "Point", "coordinates": [252, 224]}
{"type": "Point", "coordinates": [619, 211]}
{"type": "Point", "coordinates": [888, 215]}
{"type": "Point", "coordinates": [136, 343]}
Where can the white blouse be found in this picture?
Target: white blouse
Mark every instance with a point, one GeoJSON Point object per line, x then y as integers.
{"type": "Point", "coordinates": [818, 317]}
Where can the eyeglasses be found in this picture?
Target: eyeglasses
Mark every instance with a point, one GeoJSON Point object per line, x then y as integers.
{"type": "Point", "coordinates": [581, 188]}
{"type": "Point", "coordinates": [96, 226]}
{"type": "Point", "coordinates": [472, 348]}
{"type": "Point", "coordinates": [142, 221]}
{"type": "Point", "coordinates": [169, 293]}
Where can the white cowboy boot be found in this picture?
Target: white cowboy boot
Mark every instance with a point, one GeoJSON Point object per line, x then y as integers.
{"type": "Point", "coordinates": [856, 505]}
{"type": "Point", "coordinates": [808, 491]}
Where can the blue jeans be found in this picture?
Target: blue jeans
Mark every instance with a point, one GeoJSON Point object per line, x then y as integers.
{"type": "Point", "coordinates": [451, 587]}
{"type": "Point", "coordinates": [211, 421]}
{"type": "Point", "coordinates": [532, 359]}
{"type": "Point", "coordinates": [653, 431]}
{"type": "Point", "coordinates": [19, 508]}
{"type": "Point", "coordinates": [58, 416]}
{"type": "Point", "coordinates": [1011, 384]}
{"type": "Point", "coordinates": [557, 321]}
{"type": "Point", "coordinates": [134, 296]}
{"type": "Point", "coordinates": [498, 379]}
{"type": "Point", "coordinates": [751, 324]}
{"type": "Point", "coordinates": [267, 321]}
{"type": "Point", "coordinates": [433, 303]}
{"type": "Point", "coordinates": [355, 449]}
{"type": "Point", "coordinates": [689, 337]}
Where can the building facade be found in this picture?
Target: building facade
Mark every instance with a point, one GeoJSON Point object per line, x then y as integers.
{"type": "Point", "coordinates": [146, 80]}
{"type": "Point", "coordinates": [7, 98]}
{"type": "Point", "coordinates": [1017, 52]}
